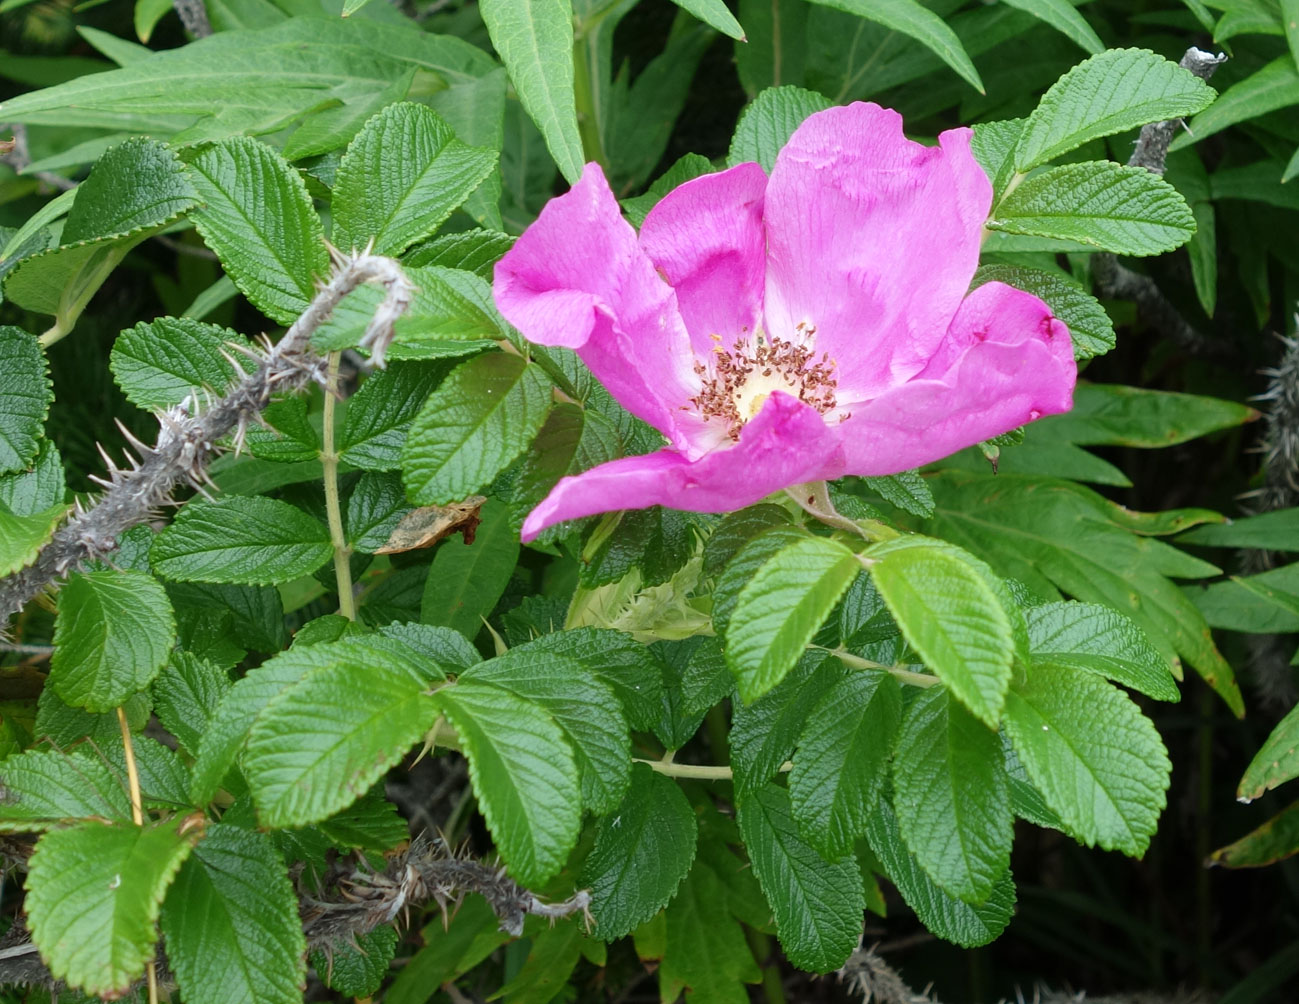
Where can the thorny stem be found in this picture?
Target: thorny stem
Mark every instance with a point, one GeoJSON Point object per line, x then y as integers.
{"type": "Point", "coordinates": [186, 442]}
{"type": "Point", "coordinates": [333, 511]}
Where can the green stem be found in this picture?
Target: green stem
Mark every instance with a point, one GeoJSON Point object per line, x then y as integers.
{"type": "Point", "coordinates": [588, 120]}
{"type": "Point", "coordinates": [696, 772]}
{"type": "Point", "coordinates": [901, 675]}
{"type": "Point", "coordinates": [760, 946]}
{"type": "Point", "coordinates": [333, 511]}
{"type": "Point", "coordinates": [814, 499]}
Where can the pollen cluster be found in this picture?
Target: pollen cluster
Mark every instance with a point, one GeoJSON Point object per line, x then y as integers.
{"type": "Point", "coordinates": [738, 381]}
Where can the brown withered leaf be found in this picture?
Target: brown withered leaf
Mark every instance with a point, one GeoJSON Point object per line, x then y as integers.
{"type": "Point", "coordinates": [425, 526]}
{"type": "Point", "coordinates": [7, 146]}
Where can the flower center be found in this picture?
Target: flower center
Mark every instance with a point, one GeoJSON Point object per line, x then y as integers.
{"type": "Point", "coordinates": [740, 379]}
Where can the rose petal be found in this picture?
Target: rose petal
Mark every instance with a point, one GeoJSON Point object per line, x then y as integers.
{"type": "Point", "coordinates": [872, 239]}
{"type": "Point", "coordinates": [707, 240]}
{"type": "Point", "coordinates": [578, 278]}
{"type": "Point", "coordinates": [1005, 361]}
{"type": "Point", "coordinates": [786, 443]}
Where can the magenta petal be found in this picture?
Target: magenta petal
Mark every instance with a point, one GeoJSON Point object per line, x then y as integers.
{"type": "Point", "coordinates": [1004, 361]}
{"type": "Point", "coordinates": [873, 239]}
{"type": "Point", "coordinates": [707, 240]}
{"type": "Point", "coordinates": [578, 278]}
{"type": "Point", "coordinates": [787, 443]}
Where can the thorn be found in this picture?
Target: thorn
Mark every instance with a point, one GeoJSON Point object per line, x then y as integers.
{"type": "Point", "coordinates": [135, 444]}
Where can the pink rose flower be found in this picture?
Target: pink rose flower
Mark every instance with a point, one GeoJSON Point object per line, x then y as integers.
{"type": "Point", "coordinates": [788, 329]}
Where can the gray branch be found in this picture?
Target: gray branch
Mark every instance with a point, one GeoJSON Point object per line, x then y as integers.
{"type": "Point", "coordinates": [186, 442]}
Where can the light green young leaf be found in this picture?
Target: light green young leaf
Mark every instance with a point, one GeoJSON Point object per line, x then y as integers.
{"type": "Point", "coordinates": [25, 395]}
{"type": "Point", "coordinates": [472, 426]}
{"type": "Point", "coordinates": [161, 362]}
{"type": "Point", "coordinates": [768, 121]}
{"type": "Point", "coordinates": [114, 632]}
{"type": "Point", "coordinates": [780, 609]}
{"type": "Point", "coordinates": [1096, 759]}
{"type": "Point", "coordinates": [535, 42]}
{"type": "Point", "coordinates": [466, 580]}
{"type": "Point", "coordinates": [1090, 327]}
{"type": "Point", "coordinates": [1115, 90]}
{"type": "Point", "coordinates": [321, 743]}
{"type": "Point", "coordinates": [1275, 762]}
{"type": "Point", "coordinates": [951, 610]}
{"type": "Point", "coordinates": [944, 915]}
{"type": "Point", "coordinates": [909, 17]}
{"type": "Point", "coordinates": [715, 14]}
{"type": "Point", "coordinates": [1064, 18]}
{"type": "Point", "coordinates": [1275, 86]}
{"type": "Point", "coordinates": [22, 537]}
{"type": "Point", "coordinates": [44, 788]}
{"type": "Point", "coordinates": [1100, 639]}
{"type": "Point", "coordinates": [1126, 210]}
{"type": "Point", "coordinates": [231, 922]}
{"type": "Point", "coordinates": [523, 773]}
{"type": "Point", "coordinates": [93, 897]}
{"type": "Point", "coordinates": [950, 795]}
{"type": "Point", "coordinates": [258, 218]}
{"type": "Point", "coordinates": [818, 903]}
{"type": "Point", "coordinates": [643, 849]}
{"type": "Point", "coordinates": [396, 201]}
{"type": "Point", "coordinates": [842, 760]}
{"type": "Point", "coordinates": [242, 539]}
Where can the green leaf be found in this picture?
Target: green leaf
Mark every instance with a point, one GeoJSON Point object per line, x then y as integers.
{"type": "Point", "coordinates": [768, 121]}
{"type": "Point", "coordinates": [1112, 91]}
{"type": "Point", "coordinates": [1116, 415]}
{"type": "Point", "coordinates": [1274, 841]}
{"type": "Point", "coordinates": [1055, 536]}
{"type": "Point", "coordinates": [22, 537]}
{"type": "Point", "coordinates": [715, 14]}
{"type": "Point", "coordinates": [258, 218]}
{"type": "Point", "coordinates": [466, 580]}
{"type": "Point", "coordinates": [159, 363]}
{"type": "Point", "coordinates": [321, 743]}
{"type": "Point", "coordinates": [396, 201]}
{"type": "Point", "coordinates": [523, 773]}
{"type": "Point", "coordinates": [228, 729]}
{"type": "Point", "coordinates": [585, 709]}
{"type": "Point", "coordinates": [1275, 86]}
{"type": "Point", "coordinates": [481, 417]}
{"type": "Point", "coordinates": [289, 437]}
{"type": "Point", "coordinates": [944, 915]}
{"type": "Point", "coordinates": [1090, 327]}
{"type": "Point", "coordinates": [65, 725]}
{"type": "Point", "coordinates": [842, 759]}
{"type": "Point", "coordinates": [114, 633]}
{"type": "Point", "coordinates": [656, 541]}
{"type": "Point", "coordinates": [643, 849]}
{"type": "Point", "coordinates": [1100, 639]}
{"type": "Point", "coordinates": [475, 251]}
{"type": "Point", "coordinates": [781, 608]}
{"type": "Point", "coordinates": [686, 168]}
{"type": "Point", "coordinates": [630, 669]}
{"type": "Point", "coordinates": [449, 649]}
{"type": "Point", "coordinates": [741, 568]}
{"type": "Point", "coordinates": [909, 17]}
{"type": "Point", "coordinates": [993, 146]}
{"type": "Point", "coordinates": [1276, 760]}
{"type": "Point", "coordinates": [231, 922]}
{"type": "Point", "coordinates": [380, 413]}
{"type": "Point", "coordinates": [1096, 759]}
{"type": "Point", "coordinates": [907, 491]}
{"type": "Point", "coordinates": [93, 897]}
{"type": "Point", "coordinates": [358, 970]}
{"type": "Point", "coordinates": [951, 610]}
{"type": "Point", "coordinates": [374, 509]}
{"type": "Point", "coordinates": [545, 974]}
{"type": "Point", "coordinates": [134, 189]}
{"type": "Point", "coordinates": [185, 697]}
{"type": "Point", "coordinates": [256, 612]}
{"type": "Point", "coordinates": [1126, 210]}
{"type": "Point", "coordinates": [241, 539]}
{"type": "Point", "coordinates": [535, 42]}
{"type": "Point", "coordinates": [763, 734]}
{"type": "Point", "coordinates": [818, 903]}
{"type": "Point", "coordinates": [25, 395]}
{"type": "Point", "coordinates": [705, 953]}
{"type": "Point", "coordinates": [950, 796]}
{"type": "Point", "coordinates": [572, 440]}
{"type": "Point", "coordinates": [40, 487]}
{"type": "Point", "coordinates": [43, 788]}
{"type": "Point", "coordinates": [1061, 15]}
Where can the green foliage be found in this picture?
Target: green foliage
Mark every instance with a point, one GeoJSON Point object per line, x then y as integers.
{"type": "Point", "coordinates": [160, 363]}
{"type": "Point", "coordinates": [25, 395]}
